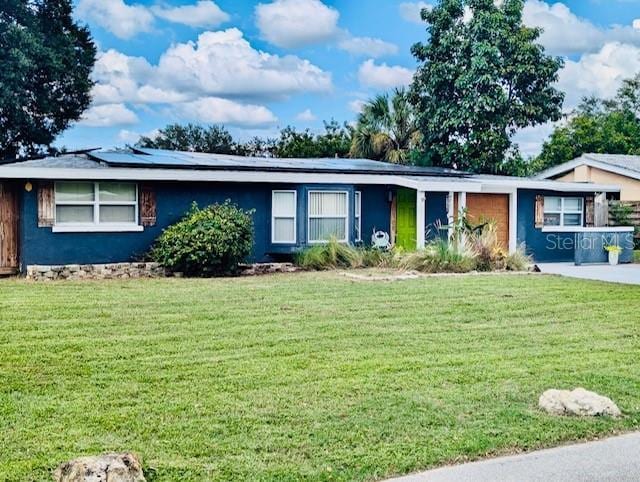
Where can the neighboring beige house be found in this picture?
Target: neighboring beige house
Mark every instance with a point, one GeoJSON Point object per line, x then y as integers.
{"type": "Point", "coordinates": [614, 169]}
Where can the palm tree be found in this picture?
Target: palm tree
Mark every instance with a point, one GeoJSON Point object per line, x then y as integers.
{"type": "Point", "coordinates": [386, 129]}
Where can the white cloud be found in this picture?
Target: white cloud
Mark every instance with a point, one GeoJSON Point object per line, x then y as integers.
{"type": "Point", "coordinates": [383, 76]}
{"type": "Point", "coordinates": [296, 23]}
{"type": "Point", "coordinates": [356, 106]}
{"type": "Point", "coordinates": [599, 73]}
{"type": "Point", "coordinates": [224, 64]}
{"type": "Point", "coordinates": [108, 115]}
{"type": "Point", "coordinates": [306, 116]}
{"type": "Point", "coordinates": [219, 64]}
{"type": "Point", "coordinates": [410, 11]}
{"type": "Point", "coordinates": [131, 137]}
{"type": "Point", "coordinates": [120, 78]}
{"type": "Point", "coordinates": [225, 111]}
{"type": "Point", "coordinates": [123, 20]}
{"type": "Point", "coordinates": [636, 23]}
{"type": "Point", "coordinates": [565, 33]}
{"type": "Point", "coordinates": [371, 47]}
{"type": "Point", "coordinates": [204, 13]}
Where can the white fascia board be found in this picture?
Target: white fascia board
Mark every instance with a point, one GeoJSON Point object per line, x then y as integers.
{"type": "Point", "coordinates": [122, 174]}
{"type": "Point", "coordinates": [507, 186]}
{"type": "Point", "coordinates": [560, 169]}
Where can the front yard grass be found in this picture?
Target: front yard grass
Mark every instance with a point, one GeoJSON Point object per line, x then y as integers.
{"type": "Point", "coordinates": [305, 376]}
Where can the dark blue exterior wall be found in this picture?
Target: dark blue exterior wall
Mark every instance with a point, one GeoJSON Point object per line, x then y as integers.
{"type": "Point", "coordinates": [564, 247]}
{"type": "Point", "coordinates": [436, 214]}
{"type": "Point", "coordinates": [376, 210]}
{"type": "Point", "coordinates": [42, 246]}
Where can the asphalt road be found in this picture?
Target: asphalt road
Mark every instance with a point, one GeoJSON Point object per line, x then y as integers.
{"type": "Point", "coordinates": [613, 459]}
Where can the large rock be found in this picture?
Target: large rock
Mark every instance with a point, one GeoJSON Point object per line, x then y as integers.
{"type": "Point", "coordinates": [579, 402]}
{"type": "Point", "coordinates": [125, 467]}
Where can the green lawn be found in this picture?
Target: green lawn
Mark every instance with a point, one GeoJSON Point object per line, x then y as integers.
{"type": "Point", "coordinates": [307, 375]}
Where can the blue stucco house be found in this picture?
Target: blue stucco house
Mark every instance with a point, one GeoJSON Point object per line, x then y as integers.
{"type": "Point", "coordinates": [105, 207]}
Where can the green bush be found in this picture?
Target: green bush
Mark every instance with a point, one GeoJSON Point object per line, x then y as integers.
{"type": "Point", "coordinates": [208, 241]}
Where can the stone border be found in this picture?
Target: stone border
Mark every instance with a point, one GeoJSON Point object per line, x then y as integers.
{"type": "Point", "coordinates": [95, 271]}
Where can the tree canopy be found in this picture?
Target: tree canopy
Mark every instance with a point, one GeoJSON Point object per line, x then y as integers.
{"type": "Point", "coordinates": [482, 76]}
{"type": "Point", "coordinates": [335, 141]}
{"type": "Point", "coordinates": [386, 129]}
{"type": "Point", "coordinates": [610, 126]}
{"type": "Point", "coordinates": [45, 82]}
{"type": "Point", "coordinates": [193, 138]}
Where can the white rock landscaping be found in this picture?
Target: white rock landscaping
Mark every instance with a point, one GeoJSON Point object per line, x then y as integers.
{"type": "Point", "coordinates": [123, 467]}
{"type": "Point", "coordinates": [579, 402]}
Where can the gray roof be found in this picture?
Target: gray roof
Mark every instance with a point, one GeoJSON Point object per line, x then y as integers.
{"type": "Point", "coordinates": [163, 159]}
{"type": "Point", "coordinates": [624, 164]}
{"type": "Point", "coordinates": [619, 160]}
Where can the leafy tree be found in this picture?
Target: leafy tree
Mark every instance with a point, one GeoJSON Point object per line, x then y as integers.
{"type": "Point", "coordinates": [45, 82]}
{"type": "Point", "coordinates": [192, 138]}
{"type": "Point", "coordinates": [334, 142]}
{"type": "Point", "coordinates": [386, 129]}
{"type": "Point", "coordinates": [482, 76]}
{"type": "Point", "coordinates": [610, 126]}
{"type": "Point", "coordinates": [257, 147]}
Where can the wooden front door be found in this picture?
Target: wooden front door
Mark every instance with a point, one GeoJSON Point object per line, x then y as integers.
{"type": "Point", "coordinates": [8, 229]}
{"type": "Point", "coordinates": [490, 207]}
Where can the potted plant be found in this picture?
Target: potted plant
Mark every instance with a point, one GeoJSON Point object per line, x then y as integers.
{"type": "Point", "coordinates": [614, 253]}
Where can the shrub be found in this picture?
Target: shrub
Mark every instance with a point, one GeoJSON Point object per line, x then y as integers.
{"type": "Point", "coordinates": [213, 240]}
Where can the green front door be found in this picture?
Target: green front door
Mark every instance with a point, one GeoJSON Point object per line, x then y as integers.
{"type": "Point", "coordinates": [406, 218]}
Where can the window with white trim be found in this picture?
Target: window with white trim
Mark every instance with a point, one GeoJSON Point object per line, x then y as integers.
{"type": "Point", "coordinates": [563, 211]}
{"type": "Point", "coordinates": [283, 217]}
{"type": "Point", "coordinates": [328, 216]}
{"type": "Point", "coordinates": [358, 215]}
{"type": "Point", "coordinates": [96, 203]}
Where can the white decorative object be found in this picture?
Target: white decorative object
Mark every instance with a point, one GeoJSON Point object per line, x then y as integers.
{"type": "Point", "coordinates": [613, 257]}
{"type": "Point", "coordinates": [578, 402]}
{"type": "Point", "coordinates": [380, 240]}
{"type": "Point", "coordinates": [125, 467]}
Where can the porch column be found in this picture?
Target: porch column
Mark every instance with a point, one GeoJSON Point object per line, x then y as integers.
{"type": "Point", "coordinates": [462, 205]}
{"type": "Point", "coordinates": [450, 214]}
{"type": "Point", "coordinates": [420, 218]}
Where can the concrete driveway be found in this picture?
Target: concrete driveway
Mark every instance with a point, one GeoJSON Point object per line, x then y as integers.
{"type": "Point", "coordinates": [622, 273]}
{"type": "Point", "coordinates": [613, 459]}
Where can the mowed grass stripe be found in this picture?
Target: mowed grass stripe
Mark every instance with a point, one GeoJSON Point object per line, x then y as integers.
{"type": "Point", "coordinates": [307, 375]}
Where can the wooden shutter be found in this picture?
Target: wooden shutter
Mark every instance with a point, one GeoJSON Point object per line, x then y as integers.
{"type": "Point", "coordinates": [539, 211]}
{"type": "Point", "coordinates": [46, 204]}
{"type": "Point", "coordinates": [589, 211]}
{"type": "Point", "coordinates": [147, 205]}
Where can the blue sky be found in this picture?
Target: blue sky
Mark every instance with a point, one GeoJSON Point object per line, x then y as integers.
{"type": "Point", "coordinates": [259, 66]}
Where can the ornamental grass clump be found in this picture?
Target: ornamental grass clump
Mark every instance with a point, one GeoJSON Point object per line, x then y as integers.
{"type": "Point", "coordinates": [439, 256]}
{"type": "Point", "coordinates": [209, 241]}
{"type": "Point", "coordinates": [330, 255]}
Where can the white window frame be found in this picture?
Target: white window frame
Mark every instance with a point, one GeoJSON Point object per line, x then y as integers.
{"type": "Point", "coordinates": [562, 211]}
{"type": "Point", "coordinates": [358, 214]}
{"type": "Point", "coordinates": [96, 225]}
{"type": "Point", "coordinates": [309, 217]}
{"type": "Point", "coordinates": [295, 217]}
